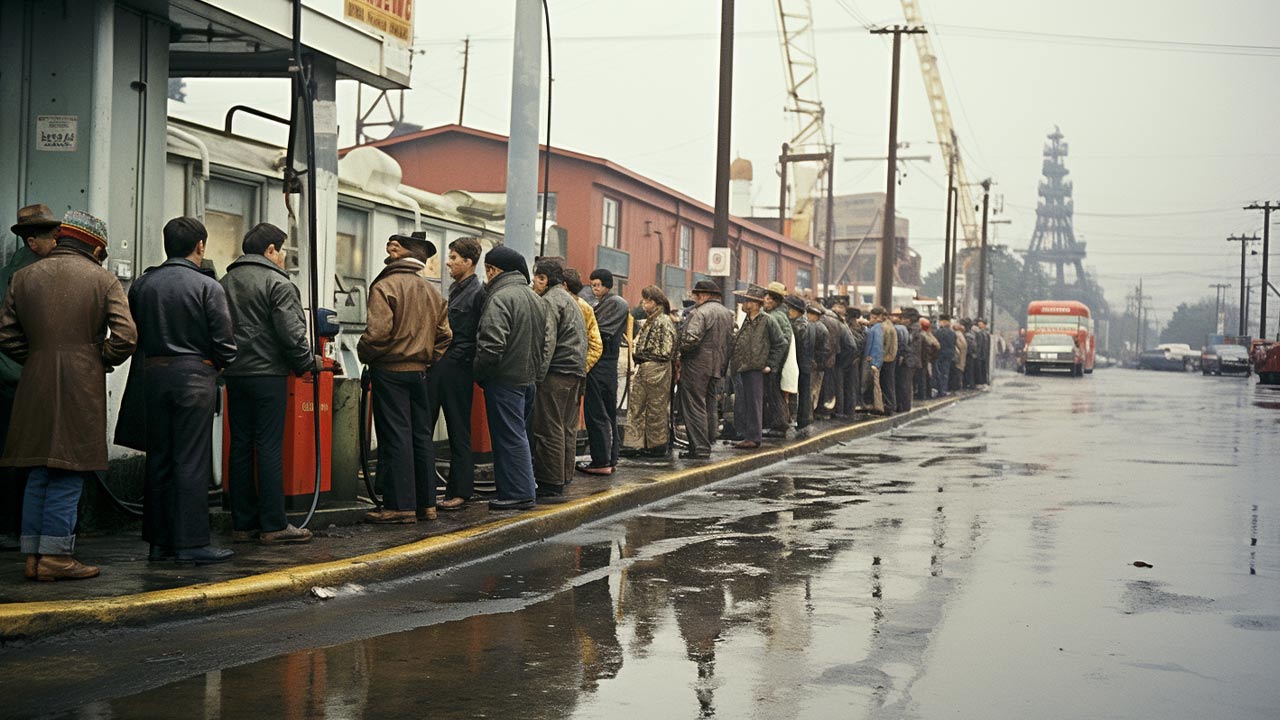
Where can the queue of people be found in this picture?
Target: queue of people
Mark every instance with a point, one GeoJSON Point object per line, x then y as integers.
{"type": "Point", "coordinates": [535, 346]}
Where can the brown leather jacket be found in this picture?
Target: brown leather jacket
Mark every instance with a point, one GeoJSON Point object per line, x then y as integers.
{"type": "Point", "coordinates": [408, 326]}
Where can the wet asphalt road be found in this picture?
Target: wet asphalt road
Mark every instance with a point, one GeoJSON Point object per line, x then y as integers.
{"type": "Point", "coordinates": [979, 564]}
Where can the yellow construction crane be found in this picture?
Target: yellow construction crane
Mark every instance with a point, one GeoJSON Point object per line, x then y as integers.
{"type": "Point", "coordinates": [799, 59]}
{"type": "Point", "coordinates": [969, 227]}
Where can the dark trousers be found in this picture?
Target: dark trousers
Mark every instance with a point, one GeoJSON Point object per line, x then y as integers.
{"type": "Point", "coordinates": [450, 387]}
{"type": "Point", "coordinates": [804, 400]}
{"type": "Point", "coordinates": [180, 396]}
{"type": "Point", "coordinates": [957, 378]}
{"type": "Point", "coordinates": [942, 375]}
{"type": "Point", "coordinates": [600, 412]}
{"type": "Point", "coordinates": [906, 386]}
{"type": "Point", "coordinates": [776, 414]}
{"type": "Point", "coordinates": [922, 382]}
{"type": "Point", "coordinates": [832, 390]}
{"type": "Point", "coordinates": [13, 482]}
{"type": "Point", "coordinates": [555, 429]}
{"type": "Point", "coordinates": [256, 407]}
{"type": "Point", "coordinates": [510, 410]}
{"type": "Point", "coordinates": [700, 404]}
{"type": "Point", "coordinates": [889, 385]}
{"type": "Point", "coordinates": [748, 405]}
{"type": "Point", "coordinates": [850, 387]}
{"type": "Point", "coordinates": [406, 453]}
{"type": "Point", "coordinates": [970, 369]}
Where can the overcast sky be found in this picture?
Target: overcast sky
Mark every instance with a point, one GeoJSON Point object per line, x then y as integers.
{"type": "Point", "coordinates": [1171, 119]}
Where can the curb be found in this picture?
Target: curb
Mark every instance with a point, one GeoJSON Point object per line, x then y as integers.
{"type": "Point", "coordinates": [39, 619]}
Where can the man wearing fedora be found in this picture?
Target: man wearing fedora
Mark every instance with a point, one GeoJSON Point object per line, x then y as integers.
{"type": "Point", "coordinates": [406, 333]}
{"type": "Point", "coordinates": [777, 415]}
{"type": "Point", "coordinates": [759, 349]}
{"type": "Point", "coordinates": [37, 232]}
{"type": "Point", "coordinates": [705, 340]}
{"type": "Point", "coordinates": [66, 319]}
{"type": "Point", "coordinates": [186, 336]}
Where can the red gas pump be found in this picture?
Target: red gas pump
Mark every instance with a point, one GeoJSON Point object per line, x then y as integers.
{"type": "Point", "coordinates": [299, 429]}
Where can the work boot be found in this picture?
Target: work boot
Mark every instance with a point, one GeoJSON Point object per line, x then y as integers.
{"type": "Point", "coordinates": [289, 534]}
{"type": "Point", "coordinates": [29, 571]}
{"type": "Point", "coordinates": [452, 504]}
{"type": "Point", "coordinates": [63, 567]}
{"type": "Point", "coordinates": [427, 513]}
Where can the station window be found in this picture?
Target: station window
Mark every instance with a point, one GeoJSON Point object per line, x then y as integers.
{"type": "Point", "coordinates": [804, 279]}
{"type": "Point", "coordinates": [770, 268]}
{"type": "Point", "coordinates": [231, 208]}
{"type": "Point", "coordinates": [547, 201]}
{"type": "Point", "coordinates": [609, 227]}
{"type": "Point", "coordinates": [685, 259]}
{"type": "Point", "coordinates": [749, 263]}
{"type": "Point", "coordinates": [352, 245]}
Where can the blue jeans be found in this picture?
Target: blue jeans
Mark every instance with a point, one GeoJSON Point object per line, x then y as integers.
{"type": "Point", "coordinates": [49, 511]}
{"type": "Point", "coordinates": [510, 410]}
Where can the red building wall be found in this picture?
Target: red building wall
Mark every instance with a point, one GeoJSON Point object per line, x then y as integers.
{"type": "Point", "coordinates": [454, 158]}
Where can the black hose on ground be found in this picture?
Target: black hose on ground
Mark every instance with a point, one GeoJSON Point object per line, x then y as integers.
{"type": "Point", "coordinates": [366, 391]}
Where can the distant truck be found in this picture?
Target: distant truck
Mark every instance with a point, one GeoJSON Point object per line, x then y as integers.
{"type": "Point", "coordinates": [1266, 361]}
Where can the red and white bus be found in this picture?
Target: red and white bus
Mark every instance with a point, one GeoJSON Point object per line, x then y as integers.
{"type": "Point", "coordinates": [1059, 336]}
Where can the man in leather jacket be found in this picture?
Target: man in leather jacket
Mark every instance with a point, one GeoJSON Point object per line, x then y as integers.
{"type": "Point", "coordinates": [185, 333]}
{"type": "Point", "coordinates": [271, 340]}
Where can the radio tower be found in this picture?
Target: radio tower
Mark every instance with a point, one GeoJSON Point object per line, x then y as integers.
{"type": "Point", "coordinates": [1054, 241]}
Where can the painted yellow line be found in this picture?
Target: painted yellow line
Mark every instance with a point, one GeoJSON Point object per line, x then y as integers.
{"type": "Point", "coordinates": [40, 618]}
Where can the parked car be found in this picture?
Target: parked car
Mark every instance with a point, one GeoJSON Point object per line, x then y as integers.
{"type": "Point", "coordinates": [1054, 351]}
{"type": "Point", "coordinates": [1161, 359]}
{"type": "Point", "coordinates": [1220, 359]}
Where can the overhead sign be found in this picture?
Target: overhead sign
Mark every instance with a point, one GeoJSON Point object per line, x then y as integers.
{"type": "Point", "coordinates": [718, 262]}
{"type": "Point", "coordinates": [393, 18]}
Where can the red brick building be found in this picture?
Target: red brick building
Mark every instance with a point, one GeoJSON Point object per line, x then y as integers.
{"type": "Point", "coordinates": [643, 231]}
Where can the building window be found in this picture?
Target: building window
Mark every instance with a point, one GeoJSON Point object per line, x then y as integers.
{"type": "Point", "coordinates": [770, 267]}
{"type": "Point", "coordinates": [685, 258]}
{"type": "Point", "coordinates": [749, 261]}
{"type": "Point", "coordinates": [231, 208]}
{"type": "Point", "coordinates": [609, 228]}
{"type": "Point", "coordinates": [804, 279]}
{"type": "Point", "coordinates": [547, 201]}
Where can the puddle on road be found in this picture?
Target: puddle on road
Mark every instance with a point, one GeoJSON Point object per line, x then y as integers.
{"type": "Point", "coordinates": [1143, 596]}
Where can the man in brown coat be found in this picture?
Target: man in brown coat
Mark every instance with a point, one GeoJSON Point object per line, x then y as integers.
{"type": "Point", "coordinates": [67, 320]}
{"type": "Point", "coordinates": [407, 332]}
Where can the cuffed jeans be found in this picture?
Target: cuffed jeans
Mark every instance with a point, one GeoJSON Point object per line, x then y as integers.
{"type": "Point", "coordinates": [49, 509]}
{"type": "Point", "coordinates": [510, 410]}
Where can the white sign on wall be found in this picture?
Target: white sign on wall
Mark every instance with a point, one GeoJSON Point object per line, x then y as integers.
{"type": "Point", "coordinates": [56, 133]}
{"type": "Point", "coordinates": [718, 262]}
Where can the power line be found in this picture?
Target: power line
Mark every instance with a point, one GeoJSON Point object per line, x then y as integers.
{"type": "Point", "coordinates": [1123, 42]}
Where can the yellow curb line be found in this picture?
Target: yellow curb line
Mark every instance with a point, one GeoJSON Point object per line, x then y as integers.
{"type": "Point", "coordinates": [30, 619]}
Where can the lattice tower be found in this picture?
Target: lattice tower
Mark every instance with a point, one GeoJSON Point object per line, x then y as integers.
{"type": "Point", "coordinates": [1054, 241]}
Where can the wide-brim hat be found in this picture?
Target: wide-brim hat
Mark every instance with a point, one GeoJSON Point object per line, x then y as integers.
{"type": "Point", "coordinates": [35, 217]}
{"type": "Point", "coordinates": [418, 238]}
{"type": "Point", "coordinates": [711, 287]}
{"type": "Point", "coordinates": [753, 293]}
{"type": "Point", "coordinates": [795, 303]}
{"type": "Point", "coordinates": [83, 227]}
{"type": "Point", "coordinates": [778, 289]}
{"type": "Point", "coordinates": [815, 309]}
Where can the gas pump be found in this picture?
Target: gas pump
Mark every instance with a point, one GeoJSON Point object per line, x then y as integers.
{"type": "Point", "coordinates": [299, 428]}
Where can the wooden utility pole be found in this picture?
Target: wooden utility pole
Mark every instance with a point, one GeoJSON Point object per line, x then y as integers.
{"type": "Point", "coordinates": [948, 281]}
{"type": "Point", "coordinates": [982, 250]}
{"type": "Point", "coordinates": [466, 61]}
{"type": "Point", "coordinates": [888, 239]}
{"type": "Point", "coordinates": [724, 119]}
{"type": "Point", "coordinates": [1244, 241]}
{"type": "Point", "coordinates": [1266, 209]}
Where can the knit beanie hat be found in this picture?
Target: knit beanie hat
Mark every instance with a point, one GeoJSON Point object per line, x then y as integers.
{"type": "Point", "coordinates": [506, 260]}
{"type": "Point", "coordinates": [84, 227]}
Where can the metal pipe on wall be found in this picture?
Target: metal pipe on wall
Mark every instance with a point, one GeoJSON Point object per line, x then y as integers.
{"type": "Point", "coordinates": [99, 200]}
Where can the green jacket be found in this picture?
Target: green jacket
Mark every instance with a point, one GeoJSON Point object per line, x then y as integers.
{"type": "Point", "coordinates": [10, 370]}
{"type": "Point", "coordinates": [511, 344]}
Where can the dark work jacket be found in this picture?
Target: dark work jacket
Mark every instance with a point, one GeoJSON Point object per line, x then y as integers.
{"type": "Point", "coordinates": [511, 345]}
{"type": "Point", "coordinates": [822, 351]}
{"type": "Point", "coordinates": [466, 298]}
{"type": "Point", "coordinates": [266, 311]}
{"type": "Point", "coordinates": [759, 344]}
{"type": "Point", "coordinates": [611, 317]}
{"type": "Point", "coordinates": [802, 334]}
{"type": "Point", "coordinates": [946, 338]}
{"type": "Point", "coordinates": [181, 310]}
{"type": "Point", "coordinates": [915, 347]}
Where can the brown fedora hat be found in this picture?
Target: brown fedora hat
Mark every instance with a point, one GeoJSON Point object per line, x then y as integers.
{"type": "Point", "coordinates": [35, 218]}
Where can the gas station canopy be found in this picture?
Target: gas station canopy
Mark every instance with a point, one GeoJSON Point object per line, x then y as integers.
{"type": "Point", "coordinates": [253, 38]}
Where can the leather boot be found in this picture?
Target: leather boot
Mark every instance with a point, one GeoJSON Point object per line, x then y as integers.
{"type": "Point", "coordinates": [63, 567]}
{"type": "Point", "coordinates": [29, 572]}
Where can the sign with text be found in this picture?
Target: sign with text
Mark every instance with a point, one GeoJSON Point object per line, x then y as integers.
{"type": "Point", "coordinates": [393, 18]}
{"type": "Point", "coordinates": [56, 133]}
